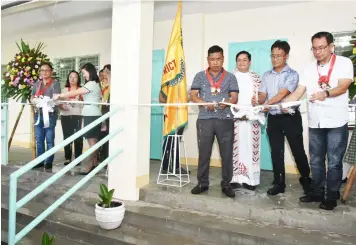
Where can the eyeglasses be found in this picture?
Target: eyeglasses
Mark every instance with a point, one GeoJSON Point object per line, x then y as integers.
{"type": "Point", "coordinates": [319, 48]}
{"type": "Point", "coordinates": [45, 70]}
{"type": "Point", "coordinates": [277, 56]}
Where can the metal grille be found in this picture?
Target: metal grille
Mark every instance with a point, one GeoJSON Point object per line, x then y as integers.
{"type": "Point", "coordinates": [63, 67]}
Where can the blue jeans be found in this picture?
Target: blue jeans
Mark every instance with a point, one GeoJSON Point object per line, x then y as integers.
{"type": "Point", "coordinates": [331, 142]}
{"type": "Point", "coordinates": [47, 134]}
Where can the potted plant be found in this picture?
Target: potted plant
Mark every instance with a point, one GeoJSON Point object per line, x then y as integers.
{"type": "Point", "coordinates": [109, 213]}
{"type": "Point", "coordinates": [46, 239]}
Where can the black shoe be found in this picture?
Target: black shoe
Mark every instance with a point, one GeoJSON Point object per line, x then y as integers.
{"type": "Point", "coordinates": [48, 166]}
{"type": "Point", "coordinates": [199, 189]}
{"type": "Point", "coordinates": [67, 162]}
{"type": "Point", "coordinates": [328, 204]}
{"type": "Point", "coordinates": [275, 190]}
{"type": "Point", "coordinates": [235, 185]}
{"type": "Point", "coordinates": [40, 165]}
{"type": "Point", "coordinates": [91, 169]}
{"type": "Point", "coordinates": [183, 171]}
{"type": "Point", "coordinates": [249, 187]}
{"type": "Point", "coordinates": [228, 191]}
{"type": "Point", "coordinates": [344, 181]}
{"type": "Point", "coordinates": [305, 182]}
{"type": "Point", "coordinates": [309, 198]}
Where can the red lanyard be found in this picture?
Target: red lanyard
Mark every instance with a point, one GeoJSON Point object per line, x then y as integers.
{"type": "Point", "coordinates": [211, 81]}
{"type": "Point", "coordinates": [325, 79]}
{"type": "Point", "coordinates": [40, 91]}
{"type": "Point", "coordinates": [103, 90]}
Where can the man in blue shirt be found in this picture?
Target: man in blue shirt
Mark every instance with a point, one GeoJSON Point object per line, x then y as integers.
{"type": "Point", "coordinates": [215, 85]}
{"type": "Point", "coordinates": [276, 85]}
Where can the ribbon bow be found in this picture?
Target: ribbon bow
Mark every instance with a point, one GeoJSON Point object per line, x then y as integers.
{"type": "Point", "coordinates": [323, 79]}
{"type": "Point", "coordinates": [47, 105]}
{"type": "Point", "coordinates": [251, 113]}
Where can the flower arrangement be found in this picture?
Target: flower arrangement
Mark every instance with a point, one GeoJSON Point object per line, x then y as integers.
{"type": "Point", "coordinates": [23, 71]}
{"type": "Point", "coordinates": [352, 88]}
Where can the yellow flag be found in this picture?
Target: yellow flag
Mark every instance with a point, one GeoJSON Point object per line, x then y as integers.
{"type": "Point", "coordinates": [174, 84]}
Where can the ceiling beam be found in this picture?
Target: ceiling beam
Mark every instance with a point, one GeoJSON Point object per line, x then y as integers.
{"type": "Point", "coordinates": [27, 6]}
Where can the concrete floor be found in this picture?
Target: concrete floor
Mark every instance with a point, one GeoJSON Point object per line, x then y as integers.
{"type": "Point", "coordinates": [257, 198]}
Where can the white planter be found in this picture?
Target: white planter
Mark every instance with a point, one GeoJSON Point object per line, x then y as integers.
{"type": "Point", "coordinates": [109, 218]}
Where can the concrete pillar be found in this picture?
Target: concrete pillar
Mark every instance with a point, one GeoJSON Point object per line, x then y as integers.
{"type": "Point", "coordinates": [131, 60]}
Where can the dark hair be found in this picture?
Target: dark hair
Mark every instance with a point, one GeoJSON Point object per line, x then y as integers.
{"type": "Point", "coordinates": [108, 66]}
{"type": "Point", "coordinates": [90, 68]}
{"type": "Point", "coordinates": [215, 49]}
{"type": "Point", "coordinates": [281, 45]}
{"type": "Point", "coordinates": [328, 36]}
{"type": "Point", "coordinates": [243, 52]}
{"type": "Point", "coordinates": [102, 70]}
{"type": "Point", "coordinates": [47, 64]}
{"type": "Point", "coordinates": [67, 82]}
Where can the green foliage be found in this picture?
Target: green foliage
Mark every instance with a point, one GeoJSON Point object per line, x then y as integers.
{"type": "Point", "coordinates": [46, 239]}
{"type": "Point", "coordinates": [105, 196]}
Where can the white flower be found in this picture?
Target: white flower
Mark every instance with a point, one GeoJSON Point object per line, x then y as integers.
{"type": "Point", "coordinates": [2, 82]}
{"type": "Point", "coordinates": [7, 74]}
{"type": "Point", "coordinates": [38, 62]}
{"type": "Point", "coordinates": [36, 66]}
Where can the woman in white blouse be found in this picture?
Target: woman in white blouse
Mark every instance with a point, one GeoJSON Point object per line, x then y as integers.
{"type": "Point", "coordinates": [71, 117]}
{"type": "Point", "coordinates": [91, 92]}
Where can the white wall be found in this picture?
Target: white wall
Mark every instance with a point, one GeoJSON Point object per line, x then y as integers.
{"type": "Point", "coordinates": [297, 22]}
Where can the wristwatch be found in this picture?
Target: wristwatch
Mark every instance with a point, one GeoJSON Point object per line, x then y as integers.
{"type": "Point", "coordinates": [327, 93]}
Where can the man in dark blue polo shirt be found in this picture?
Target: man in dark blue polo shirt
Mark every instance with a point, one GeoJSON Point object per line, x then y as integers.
{"type": "Point", "coordinates": [215, 85]}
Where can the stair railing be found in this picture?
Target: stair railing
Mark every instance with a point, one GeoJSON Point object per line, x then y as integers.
{"type": "Point", "coordinates": [14, 205]}
{"type": "Point", "coordinates": [4, 131]}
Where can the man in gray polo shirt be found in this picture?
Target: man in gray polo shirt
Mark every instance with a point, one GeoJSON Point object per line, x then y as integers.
{"type": "Point", "coordinates": [215, 85]}
{"type": "Point", "coordinates": [45, 87]}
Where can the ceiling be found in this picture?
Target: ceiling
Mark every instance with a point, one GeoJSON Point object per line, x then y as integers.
{"type": "Point", "coordinates": [66, 17]}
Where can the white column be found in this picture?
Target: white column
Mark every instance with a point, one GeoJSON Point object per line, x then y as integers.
{"type": "Point", "coordinates": [131, 60]}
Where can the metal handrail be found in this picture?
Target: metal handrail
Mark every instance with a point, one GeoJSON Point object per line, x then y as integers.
{"type": "Point", "coordinates": [14, 205]}
{"type": "Point", "coordinates": [4, 126]}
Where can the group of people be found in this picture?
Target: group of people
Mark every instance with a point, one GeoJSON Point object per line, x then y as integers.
{"type": "Point", "coordinates": [74, 116]}
{"type": "Point", "coordinates": [326, 81]}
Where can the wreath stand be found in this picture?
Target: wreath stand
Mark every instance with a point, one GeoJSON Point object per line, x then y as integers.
{"type": "Point", "coordinates": [349, 184]}
{"type": "Point", "coordinates": [33, 140]}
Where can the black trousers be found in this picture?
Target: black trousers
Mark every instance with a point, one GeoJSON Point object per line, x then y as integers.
{"type": "Point", "coordinates": [207, 129]}
{"type": "Point", "coordinates": [71, 125]}
{"type": "Point", "coordinates": [168, 151]}
{"type": "Point", "coordinates": [104, 149]}
{"type": "Point", "coordinates": [291, 127]}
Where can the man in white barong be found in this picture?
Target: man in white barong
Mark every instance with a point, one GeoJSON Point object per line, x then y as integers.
{"type": "Point", "coordinates": [247, 130]}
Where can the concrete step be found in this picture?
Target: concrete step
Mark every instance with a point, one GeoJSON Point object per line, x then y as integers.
{"type": "Point", "coordinates": [83, 229]}
{"type": "Point", "coordinates": [281, 210]}
{"type": "Point", "coordinates": [34, 237]}
{"type": "Point", "coordinates": [167, 222]}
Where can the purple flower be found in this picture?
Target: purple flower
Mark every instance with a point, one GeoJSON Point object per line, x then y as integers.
{"type": "Point", "coordinates": [16, 81]}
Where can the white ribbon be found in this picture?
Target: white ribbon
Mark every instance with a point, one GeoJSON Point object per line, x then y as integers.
{"type": "Point", "coordinates": [47, 105]}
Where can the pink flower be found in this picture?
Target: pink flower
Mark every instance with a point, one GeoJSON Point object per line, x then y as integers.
{"type": "Point", "coordinates": [16, 81]}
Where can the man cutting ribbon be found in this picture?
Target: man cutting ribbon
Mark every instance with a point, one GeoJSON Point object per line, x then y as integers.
{"type": "Point", "coordinates": [215, 85]}
{"type": "Point", "coordinates": [326, 81]}
{"type": "Point", "coordinates": [46, 113]}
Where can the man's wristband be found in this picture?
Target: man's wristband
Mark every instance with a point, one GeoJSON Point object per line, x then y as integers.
{"type": "Point", "coordinates": [327, 93]}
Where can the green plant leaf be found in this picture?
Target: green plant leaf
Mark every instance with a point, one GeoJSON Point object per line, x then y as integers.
{"type": "Point", "coordinates": [110, 195]}
{"type": "Point", "coordinates": [104, 190]}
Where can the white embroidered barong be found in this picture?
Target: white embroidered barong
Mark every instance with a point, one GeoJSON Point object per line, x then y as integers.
{"type": "Point", "coordinates": [247, 140]}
